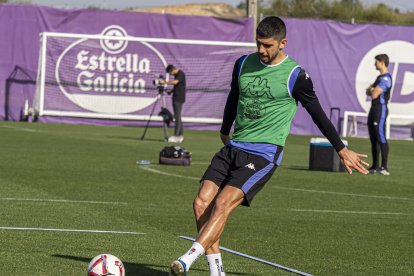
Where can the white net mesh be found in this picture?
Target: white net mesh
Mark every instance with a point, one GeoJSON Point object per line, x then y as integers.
{"type": "Point", "coordinates": [97, 77]}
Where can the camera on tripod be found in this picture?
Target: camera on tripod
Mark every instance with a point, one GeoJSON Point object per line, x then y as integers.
{"type": "Point", "coordinates": [158, 83]}
{"type": "Point", "coordinates": [167, 116]}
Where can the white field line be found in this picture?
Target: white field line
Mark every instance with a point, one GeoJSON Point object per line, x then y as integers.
{"type": "Point", "coordinates": [20, 128]}
{"type": "Point", "coordinates": [256, 259]}
{"type": "Point", "coordinates": [345, 194]}
{"type": "Point", "coordinates": [61, 201]}
{"type": "Point", "coordinates": [348, 212]}
{"type": "Point", "coordinates": [150, 169]}
{"type": "Point", "coordinates": [71, 230]}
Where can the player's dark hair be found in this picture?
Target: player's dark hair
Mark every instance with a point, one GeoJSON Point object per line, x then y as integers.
{"type": "Point", "coordinates": [271, 26]}
{"type": "Point", "coordinates": [169, 68]}
{"type": "Point", "coordinates": [384, 58]}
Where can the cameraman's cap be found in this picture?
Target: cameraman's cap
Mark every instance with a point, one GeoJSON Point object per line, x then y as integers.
{"type": "Point", "coordinates": [169, 68]}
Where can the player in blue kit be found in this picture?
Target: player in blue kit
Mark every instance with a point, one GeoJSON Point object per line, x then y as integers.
{"type": "Point", "coordinates": [380, 92]}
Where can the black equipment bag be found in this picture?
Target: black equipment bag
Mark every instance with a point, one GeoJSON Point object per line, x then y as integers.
{"type": "Point", "coordinates": [175, 155]}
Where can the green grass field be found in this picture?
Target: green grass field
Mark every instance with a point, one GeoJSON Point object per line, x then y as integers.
{"type": "Point", "coordinates": [86, 178]}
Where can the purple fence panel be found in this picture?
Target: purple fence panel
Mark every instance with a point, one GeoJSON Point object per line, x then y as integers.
{"type": "Point", "coordinates": [340, 59]}
{"type": "Point", "coordinates": [22, 24]}
{"type": "Point", "coordinates": [338, 56]}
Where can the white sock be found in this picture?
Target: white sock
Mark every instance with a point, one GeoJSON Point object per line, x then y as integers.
{"type": "Point", "coordinates": [215, 263]}
{"type": "Point", "coordinates": [192, 255]}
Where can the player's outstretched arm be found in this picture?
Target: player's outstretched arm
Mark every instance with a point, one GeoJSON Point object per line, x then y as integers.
{"type": "Point", "coordinates": [304, 93]}
{"type": "Point", "coordinates": [351, 159]}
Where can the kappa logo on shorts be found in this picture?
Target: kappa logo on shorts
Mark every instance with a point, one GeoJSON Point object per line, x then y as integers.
{"type": "Point", "coordinates": [251, 166]}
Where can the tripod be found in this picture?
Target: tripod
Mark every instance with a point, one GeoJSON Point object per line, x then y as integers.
{"type": "Point", "coordinates": [165, 117]}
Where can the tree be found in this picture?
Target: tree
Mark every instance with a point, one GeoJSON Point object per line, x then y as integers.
{"type": "Point", "coordinates": [380, 14]}
{"type": "Point", "coordinates": [343, 10]}
{"type": "Point", "coordinates": [242, 5]}
{"type": "Point", "coordinates": [279, 8]}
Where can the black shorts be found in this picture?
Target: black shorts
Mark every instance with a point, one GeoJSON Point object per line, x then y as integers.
{"type": "Point", "coordinates": [246, 171]}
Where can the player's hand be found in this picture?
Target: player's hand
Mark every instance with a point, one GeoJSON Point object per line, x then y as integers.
{"type": "Point", "coordinates": [225, 138]}
{"type": "Point", "coordinates": [368, 92]}
{"type": "Point", "coordinates": [351, 159]}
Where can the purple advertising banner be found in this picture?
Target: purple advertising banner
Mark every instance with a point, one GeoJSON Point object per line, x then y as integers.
{"type": "Point", "coordinates": [88, 75]}
{"type": "Point", "coordinates": [340, 59]}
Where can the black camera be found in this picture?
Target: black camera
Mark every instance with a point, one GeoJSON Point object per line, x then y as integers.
{"type": "Point", "coordinates": [156, 81]}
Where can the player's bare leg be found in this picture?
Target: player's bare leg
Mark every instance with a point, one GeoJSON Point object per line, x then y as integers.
{"type": "Point", "coordinates": [225, 202]}
{"type": "Point", "coordinates": [203, 205]}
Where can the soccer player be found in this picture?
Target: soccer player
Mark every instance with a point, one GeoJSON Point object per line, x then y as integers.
{"type": "Point", "coordinates": [380, 93]}
{"type": "Point", "coordinates": [265, 88]}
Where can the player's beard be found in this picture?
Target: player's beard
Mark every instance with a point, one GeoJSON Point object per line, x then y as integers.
{"type": "Point", "coordinates": [271, 58]}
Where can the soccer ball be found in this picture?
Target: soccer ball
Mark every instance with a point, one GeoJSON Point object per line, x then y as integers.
{"type": "Point", "coordinates": [106, 264]}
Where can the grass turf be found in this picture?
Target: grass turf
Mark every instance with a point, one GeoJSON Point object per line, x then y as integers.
{"type": "Point", "coordinates": [318, 222]}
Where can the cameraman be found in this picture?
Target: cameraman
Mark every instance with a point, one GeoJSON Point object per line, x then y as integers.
{"type": "Point", "coordinates": [178, 100]}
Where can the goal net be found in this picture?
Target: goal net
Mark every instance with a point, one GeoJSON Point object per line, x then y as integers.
{"type": "Point", "coordinates": [110, 76]}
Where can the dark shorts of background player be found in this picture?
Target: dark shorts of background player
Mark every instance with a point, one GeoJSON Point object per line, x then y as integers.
{"type": "Point", "coordinates": [377, 117]}
{"type": "Point", "coordinates": [246, 171]}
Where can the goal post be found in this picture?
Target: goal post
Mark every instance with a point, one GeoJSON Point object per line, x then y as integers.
{"type": "Point", "coordinates": [110, 75]}
{"type": "Point", "coordinates": [399, 126]}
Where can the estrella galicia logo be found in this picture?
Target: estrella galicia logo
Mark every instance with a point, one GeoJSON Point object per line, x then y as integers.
{"type": "Point", "coordinates": [401, 68]}
{"type": "Point", "coordinates": [255, 90]}
{"type": "Point", "coordinates": [105, 75]}
{"type": "Point", "coordinates": [114, 46]}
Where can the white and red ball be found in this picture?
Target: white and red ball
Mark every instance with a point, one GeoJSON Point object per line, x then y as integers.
{"type": "Point", "coordinates": [106, 264]}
